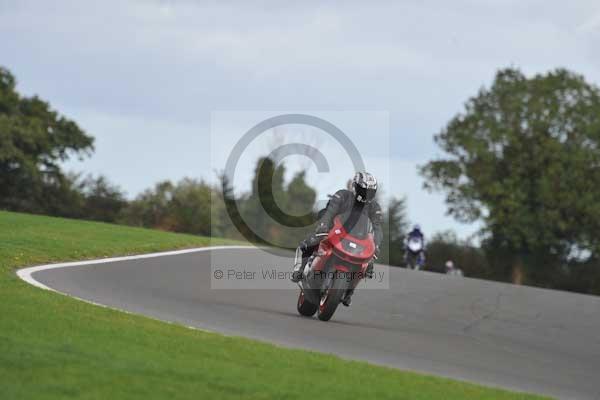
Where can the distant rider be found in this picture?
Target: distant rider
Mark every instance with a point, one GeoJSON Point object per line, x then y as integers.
{"type": "Point", "coordinates": [452, 270]}
{"type": "Point", "coordinates": [360, 199]}
{"type": "Point", "coordinates": [416, 234]}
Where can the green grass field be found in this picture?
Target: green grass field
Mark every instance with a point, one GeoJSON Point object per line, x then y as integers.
{"type": "Point", "coordinates": [56, 347]}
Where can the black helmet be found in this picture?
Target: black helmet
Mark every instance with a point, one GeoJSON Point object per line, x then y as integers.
{"type": "Point", "coordinates": [364, 186]}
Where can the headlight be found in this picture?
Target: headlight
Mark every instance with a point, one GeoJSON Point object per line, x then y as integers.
{"type": "Point", "coordinates": [415, 245]}
{"type": "Point", "coordinates": [352, 247]}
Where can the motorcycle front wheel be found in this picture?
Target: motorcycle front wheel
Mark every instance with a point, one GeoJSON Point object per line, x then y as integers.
{"type": "Point", "coordinates": [332, 296]}
{"type": "Point", "coordinates": [305, 307]}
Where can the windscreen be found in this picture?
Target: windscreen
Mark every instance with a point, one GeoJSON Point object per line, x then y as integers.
{"type": "Point", "coordinates": [356, 222]}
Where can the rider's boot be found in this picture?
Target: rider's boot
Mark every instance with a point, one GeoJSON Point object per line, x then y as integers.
{"type": "Point", "coordinates": [347, 300]}
{"type": "Point", "coordinates": [303, 253]}
{"type": "Point", "coordinates": [299, 263]}
{"type": "Point", "coordinates": [298, 271]}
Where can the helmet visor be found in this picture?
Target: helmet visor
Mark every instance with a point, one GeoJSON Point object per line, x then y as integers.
{"type": "Point", "coordinates": [365, 195]}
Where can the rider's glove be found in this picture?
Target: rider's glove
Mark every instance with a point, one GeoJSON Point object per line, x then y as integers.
{"type": "Point", "coordinates": [376, 254]}
{"type": "Point", "coordinates": [322, 228]}
{"type": "Point", "coordinates": [303, 246]}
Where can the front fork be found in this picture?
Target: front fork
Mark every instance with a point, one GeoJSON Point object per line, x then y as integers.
{"type": "Point", "coordinates": [327, 282]}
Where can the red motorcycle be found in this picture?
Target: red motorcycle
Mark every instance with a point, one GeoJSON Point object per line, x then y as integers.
{"type": "Point", "coordinates": [338, 265]}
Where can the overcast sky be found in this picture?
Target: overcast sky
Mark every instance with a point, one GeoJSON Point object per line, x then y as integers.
{"type": "Point", "coordinates": [143, 77]}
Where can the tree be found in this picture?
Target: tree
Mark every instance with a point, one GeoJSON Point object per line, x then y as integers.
{"type": "Point", "coordinates": [103, 201]}
{"type": "Point", "coordinates": [226, 219]}
{"type": "Point", "coordinates": [65, 198]}
{"type": "Point", "coordinates": [151, 208]}
{"type": "Point", "coordinates": [277, 213]}
{"type": "Point", "coordinates": [300, 203]}
{"type": "Point", "coordinates": [187, 206]}
{"type": "Point", "coordinates": [395, 226]}
{"type": "Point", "coordinates": [190, 207]}
{"type": "Point", "coordinates": [260, 206]}
{"type": "Point", "coordinates": [524, 158]}
{"type": "Point", "coordinates": [34, 140]}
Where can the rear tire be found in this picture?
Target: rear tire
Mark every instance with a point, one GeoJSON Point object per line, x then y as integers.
{"type": "Point", "coordinates": [331, 299]}
{"type": "Point", "coordinates": [305, 307]}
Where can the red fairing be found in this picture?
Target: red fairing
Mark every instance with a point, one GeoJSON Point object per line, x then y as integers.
{"type": "Point", "coordinates": [334, 245]}
{"type": "Point", "coordinates": [338, 233]}
{"type": "Point", "coordinates": [323, 255]}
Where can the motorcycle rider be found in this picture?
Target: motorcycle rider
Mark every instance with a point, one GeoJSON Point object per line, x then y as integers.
{"type": "Point", "coordinates": [416, 234]}
{"type": "Point", "coordinates": [361, 198]}
{"type": "Point", "coordinates": [452, 270]}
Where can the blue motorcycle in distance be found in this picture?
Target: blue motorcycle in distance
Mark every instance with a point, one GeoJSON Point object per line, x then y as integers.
{"type": "Point", "coordinates": [415, 254]}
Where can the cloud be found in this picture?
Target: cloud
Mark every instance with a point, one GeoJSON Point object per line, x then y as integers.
{"type": "Point", "coordinates": [131, 71]}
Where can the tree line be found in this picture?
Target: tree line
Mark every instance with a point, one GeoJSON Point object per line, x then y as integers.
{"type": "Point", "coordinates": [522, 158]}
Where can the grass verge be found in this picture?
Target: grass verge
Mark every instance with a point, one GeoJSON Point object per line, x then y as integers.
{"type": "Point", "coordinates": [55, 347]}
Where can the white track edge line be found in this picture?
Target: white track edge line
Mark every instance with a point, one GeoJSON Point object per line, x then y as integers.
{"type": "Point", "coordinates": [26, 273]}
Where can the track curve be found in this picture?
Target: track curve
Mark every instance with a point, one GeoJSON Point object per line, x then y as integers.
{"type": "Point", "coordinates": [516, 337]}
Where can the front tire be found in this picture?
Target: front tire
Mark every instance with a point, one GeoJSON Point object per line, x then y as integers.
{"type": "Point", "coordinates": [330, 300]}
{"type": "Point", "coordinates": [305, 307]}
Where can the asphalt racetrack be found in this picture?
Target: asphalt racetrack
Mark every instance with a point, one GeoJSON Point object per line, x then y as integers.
{"type": "Point", "coordinates": [521, 338]}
